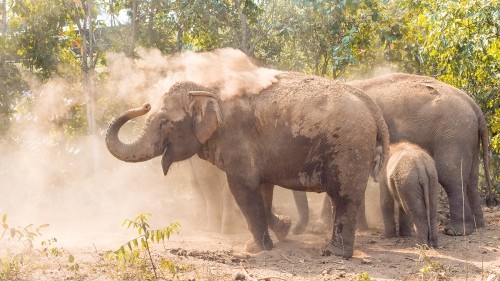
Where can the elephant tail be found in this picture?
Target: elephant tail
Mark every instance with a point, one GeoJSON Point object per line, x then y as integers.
{"type": "Point", "coordinates": [381, 153]}
{"type": "Point", "coordinates": [382, 148]}
{"type": "Point", "coordinates": [491, 199]}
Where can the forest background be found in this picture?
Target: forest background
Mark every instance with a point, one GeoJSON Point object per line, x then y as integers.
{"type": "Point", "coordinates": [43, 41]}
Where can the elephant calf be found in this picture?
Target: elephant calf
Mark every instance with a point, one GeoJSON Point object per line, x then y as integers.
{"type": "Point", "coordinates": [410, 178]}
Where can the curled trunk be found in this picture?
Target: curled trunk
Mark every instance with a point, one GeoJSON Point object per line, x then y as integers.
{"type": "Point", "coordinates": [136, 151]}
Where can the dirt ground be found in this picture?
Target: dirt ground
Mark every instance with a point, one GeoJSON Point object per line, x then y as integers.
{"type": "Point", "coordinates": [201, 255]}
{"type": "Point", "coordinates": [85, 217]}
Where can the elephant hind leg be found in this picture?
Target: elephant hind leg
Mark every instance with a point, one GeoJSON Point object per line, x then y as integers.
{"type": "Point", "coordinates": [473, 194]}
{"type": "Point", "coordinates": [279, 224]}
{"type": "Point", "coordinates": [450, 174]}
{"type": "Point", "coordinates": [300, 198]}
{"type": "Point", "coordinates": [324, 222]}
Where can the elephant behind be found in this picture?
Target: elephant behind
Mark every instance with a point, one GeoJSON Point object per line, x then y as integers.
{"type": "Point", "coordinates": [217, 211]}
{"type": "Point", "coordinates": [450, 126]}
{"type": "Point", "coordinates": [302, 132]}
{"type": "Point", "coordinates": [410, 179]}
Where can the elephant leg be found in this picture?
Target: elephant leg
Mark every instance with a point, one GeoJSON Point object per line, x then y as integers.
{"type": "Point", "coordinates": [405, 222]}
{"type": "Point", "coordinates": [361, 223]}
{"type": "Point", "coordinates": [473, 194]}
{"type": "Point", "coordinates": [231, 216]}
{"type": "Point", "coordinates": [387, 207]}
{"type": "Point", "coordinates": [450, 176]}
{"type": "Point", "coordinates": [300, 198]}
{"type": "Point", "coordinates": [279, 224]}
{"type": "Point", "coordinates": [324, 222]}
{"type": "Point", "coordinates": [346, 199]}
{"type": "Point", "coordinates": [249, 198]}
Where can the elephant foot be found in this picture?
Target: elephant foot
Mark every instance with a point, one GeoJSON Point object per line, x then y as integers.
{"type": "Point", "coordinates": [405, 232]}
{"type": "Point", "coordinates": [458, 229]}
{"type": "Point", "coordinates": [491, 201]}
{"type": "Point", "coordinates": [319, 227]}
{"type": "Point", "coordinates": [281, 226]}
{"type": "Point", "coordinates": [479, 222]}
{"type": "Point", "coordinates": [390, 234]}
{"type": "Point", "coordinates": [331, 248]}
{"type": "Point", "coordinates": [253, 247]}
{"type": "Point", "coordinates": [300, 227]}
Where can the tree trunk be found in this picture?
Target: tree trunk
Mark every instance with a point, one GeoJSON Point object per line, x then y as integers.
{"type": "Point", "coordinates": [243, 26]}
{"type": "Point", "coordinates": [90, 71]}
{"type": "Point", "coordinates": [180, 33]}
{"type": "Point", "coordinates": [4, 32]}
{"type": "Point", "coordinates": [134, 28]}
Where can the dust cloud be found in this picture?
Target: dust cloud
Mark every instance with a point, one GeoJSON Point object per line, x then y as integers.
{"type": "Point", "coordinates": [49, 176]}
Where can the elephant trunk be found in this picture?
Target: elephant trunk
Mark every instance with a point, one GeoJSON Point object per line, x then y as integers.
{"type": "Point", "coordinates": [135, 151]}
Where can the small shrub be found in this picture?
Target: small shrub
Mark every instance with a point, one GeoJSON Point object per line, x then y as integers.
{"type": "Point", "coordinates": [362, 277]}
{"type": "Point", "coordinates": [430, 270]}
{"type": "Point", "coordinates": [136, 251]}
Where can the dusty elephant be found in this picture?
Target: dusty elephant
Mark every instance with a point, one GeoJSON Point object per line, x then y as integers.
{"type": "Point", "coordinates": [445, 122]}
{"type": "Point", "coordinates": [302, 132]}
{"type": "Point", "coordinates": [410, 179]}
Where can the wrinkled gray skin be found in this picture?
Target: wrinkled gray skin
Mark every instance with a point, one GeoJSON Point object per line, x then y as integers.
{"type": "Point", "coordinates": [410, 179]}
{"type": "Point", "coordinates": [445, 122]}
{"type": "Point", "coordinates": [303, 132]}
{"type": "Point", "coordinates": [216, 209]}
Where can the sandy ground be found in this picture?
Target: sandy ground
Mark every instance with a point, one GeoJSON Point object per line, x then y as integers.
{"type": "Point", "coordinates": [200, 255]}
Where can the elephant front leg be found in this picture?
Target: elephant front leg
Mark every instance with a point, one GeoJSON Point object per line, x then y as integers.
{"type": "Point", "coordinates": [249, 198]}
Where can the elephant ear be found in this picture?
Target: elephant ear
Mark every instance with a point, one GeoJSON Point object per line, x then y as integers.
{"type": "Point", "coordinates": [205, 111]}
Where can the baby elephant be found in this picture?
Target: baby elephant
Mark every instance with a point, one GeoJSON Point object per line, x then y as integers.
{"type": "Point", "coordinates": [410, 178]}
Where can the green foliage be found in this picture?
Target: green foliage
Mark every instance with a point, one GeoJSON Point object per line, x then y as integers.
{"type": "Point", "coordinates": [41, 38]}
{"type": "Point", "coordinates": [133, 253]}
{"type": "Point", "coordinates": [12, 88]}
{"type": "Point", "coordinates": [11, 266]}
{"type": "Point", "coordinates": [327, 38]}
{"type": "Point", "coordinates": [25, 235]}
{"type": "Point", "coordinates": [430, 269]}
{"type": "Point", "coordinates": [49, 249]}
{"type": "Point", "coordinates": [364, 276]}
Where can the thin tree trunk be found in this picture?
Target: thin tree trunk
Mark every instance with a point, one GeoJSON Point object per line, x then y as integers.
{"type": "Point", "coordinates": [90, 70]}
{"type": "Point", "coordinates": [134, 28]}
{"type": "Point", "coordinates": [180, 33]}
{"type": "Point", "coordinates": [4, 32]}
{"type": "Point", "coordinates": [243, 26]}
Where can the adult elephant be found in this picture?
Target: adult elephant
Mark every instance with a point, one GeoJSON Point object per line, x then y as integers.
{"type": "Point", "coordinates": [303, 132]}
{"type": "Point", "coordinates": [449, 125]}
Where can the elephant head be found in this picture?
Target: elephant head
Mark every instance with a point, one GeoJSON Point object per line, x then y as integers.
{"type": "Point", "coordinates": [188, 117]}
